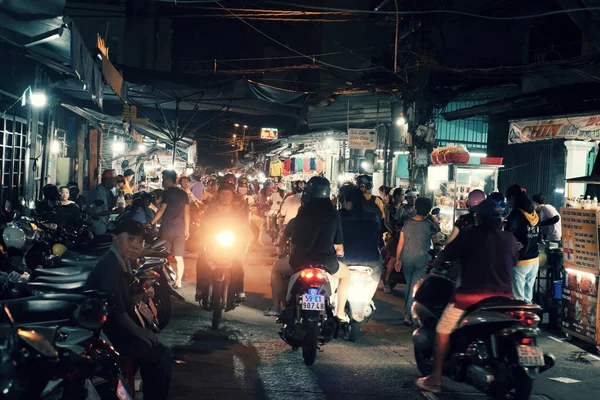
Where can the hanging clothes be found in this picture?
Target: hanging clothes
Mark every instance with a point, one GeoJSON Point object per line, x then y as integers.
{"type": "Point", "coordinates": [313, 164]}
{"type": "Point", "coordinates": [292, 165]}
{"type": "Point", "coordinates": [299, 164]}
{"type": "Point", "coordinates": [320, 165]}
{"type": "Point", "coordinates": [267, 169]}
{"type": "Point", "coordinates": [306, 164]}
{"type": "Point", "coordinates": [286, 167]}
{"type": "Point", "coordinates": [276, 168]}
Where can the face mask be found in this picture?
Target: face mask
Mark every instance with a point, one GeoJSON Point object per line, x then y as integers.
{"type": "Point", "coordinates": [242, 190]}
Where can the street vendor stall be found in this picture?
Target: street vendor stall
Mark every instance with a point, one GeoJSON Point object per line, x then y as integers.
{"type": "Point", "coordinates": [448, 185]}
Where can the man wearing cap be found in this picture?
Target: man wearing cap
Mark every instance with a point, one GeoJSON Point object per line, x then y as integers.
{"type": "Point", "coordinates": [487, 257]}
{"type": "Point", "coordinates": [113, 274]}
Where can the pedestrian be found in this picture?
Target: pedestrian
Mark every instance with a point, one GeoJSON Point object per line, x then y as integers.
{"type": "Point", "coordinates": [64, 196]}
{"type": "Point", "coordinates": [124, 194]}
{"type": "Point", "coordinates": [408, 210]}
{"type": "Point", "coordinates": [384, 193]}
{"type": "Point", "coordinates": [549, 219]}
{"type": "Point", "coordinates": [523, 222]}
{"type": "Point", "coordinates": [113, 274]}
{"type": "Point", "coordinates": [174, 214]}
{"type": "Point", "coordinates": [75, 195]}
{"type": "Point", "coordinates": [185, 183]}
{"type": "Point", "coordinates": [467, 221]}
{"type": "Point", "coordinates": [197, 187]}
{"type": "Point", "coordinates": [412, 254]}
{"type": "Point", "coordinates": [361, 229]}
{"type": "Point", "coordinates": [128, 175]}
{"type": "Point", "coordinates": [102, 203]}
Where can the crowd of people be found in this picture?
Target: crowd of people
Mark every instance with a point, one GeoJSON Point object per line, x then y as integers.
{"type": "Point", "coordinates": [496, 252]}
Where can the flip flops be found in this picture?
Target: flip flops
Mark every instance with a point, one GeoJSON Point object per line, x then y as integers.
{"type": "Point", "coordinates": [422, 384]}
{"type": "Point", "coordinates": [271, 313]}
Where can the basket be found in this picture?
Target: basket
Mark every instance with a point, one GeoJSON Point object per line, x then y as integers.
{"type": "Point", "coordinates": [492, 160]}
{"type": "Point", "coordinates": [457, 158]}
{"type": "Point", "coordinates": [435, 158]}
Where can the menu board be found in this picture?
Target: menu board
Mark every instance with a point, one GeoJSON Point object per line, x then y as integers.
{"type": "Point", "coordinates": [580, 238]}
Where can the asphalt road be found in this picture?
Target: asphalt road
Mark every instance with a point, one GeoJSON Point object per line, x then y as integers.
{"type": "Point", "coordinates": [246, 359]}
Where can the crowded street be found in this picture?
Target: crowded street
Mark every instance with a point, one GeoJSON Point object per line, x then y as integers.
{"type": "Point", "coordinates": [247, 359]}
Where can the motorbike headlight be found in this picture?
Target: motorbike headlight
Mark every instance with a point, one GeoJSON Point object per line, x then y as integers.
{"type": "Point", "coordinates": [225, 239]}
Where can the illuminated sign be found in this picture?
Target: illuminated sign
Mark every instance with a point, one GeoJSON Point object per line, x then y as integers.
{"type": "Point", "coordinates": [269, 133]}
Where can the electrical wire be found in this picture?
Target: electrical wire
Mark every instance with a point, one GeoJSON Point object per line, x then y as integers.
{"type": "Point", "coordinates": [452, 12]}
{"type": "Point", "coordinates": [294, 50]}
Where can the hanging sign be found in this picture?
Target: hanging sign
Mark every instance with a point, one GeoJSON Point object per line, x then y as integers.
{"type": "Point", "coordinates": [580, 238]}
{"type": "Point", "coordinates": [365, 139]}
{"type": "Point", "coordinates": [269, 133]}
{"type": "Point", "coordinates": [576, 128]}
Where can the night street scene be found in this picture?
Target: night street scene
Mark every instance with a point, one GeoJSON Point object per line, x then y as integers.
{"type": "Point", "coordinates": [299, 199]}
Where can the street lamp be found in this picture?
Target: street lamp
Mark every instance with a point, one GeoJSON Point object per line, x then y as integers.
{"type": "Point", "coordinates": [236, 125]}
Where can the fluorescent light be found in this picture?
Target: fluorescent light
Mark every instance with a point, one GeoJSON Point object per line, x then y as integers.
{"type": "Point", "coordinates": [400, 121]}
{"type": "Point", "coordinates": [365, 164]}
{"type": "Point", "coordinates": [400, 152]}
{"type": "Point", "coordinates": [380, 161]}
{"type": "Point", "coordinates": [559, 190]}
{"type": "Point", "coordinates": [55, 147]}
{"type": "Point", "coordinates": [189, 171]}
{"type": "Point", "coordinates": [38, 99]}
{"type": "Point", "coordinates": [483, 155]}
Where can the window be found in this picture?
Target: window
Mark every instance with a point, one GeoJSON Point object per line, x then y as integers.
{"type": "Point", "coordinates": [13, 133]}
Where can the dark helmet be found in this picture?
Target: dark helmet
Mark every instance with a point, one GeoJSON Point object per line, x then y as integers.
{"type": "Point", "coordinates": [345, 189]}
{"type": "Point", "coordinates": [229, 178]}
{"type": "Point", "coordinates": [500, 200]}
{"type": "Point", "coordinates": [316, 188]}
{"type": "Point", "coordinates": [364, 181]}
{"type": "Point", "coordinates": [51, 192]}
{"type": "Point", "coordinates": [298, 186]}
{"type": "Point", "coordinates": [489, 210]}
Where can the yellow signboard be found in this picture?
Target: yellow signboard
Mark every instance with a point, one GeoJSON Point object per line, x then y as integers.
{"type": "Point", "coordinates": [580, 238]}
{"type": "Point", "coordinates": [269, 133]}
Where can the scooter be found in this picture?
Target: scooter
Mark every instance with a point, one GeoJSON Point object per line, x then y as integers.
{"type": "Point", "coordinates": [308, 318]}
{"type": "Point", "coordinates": [494, 347]}
{"type": "Point", "coordinates": [360, 307]}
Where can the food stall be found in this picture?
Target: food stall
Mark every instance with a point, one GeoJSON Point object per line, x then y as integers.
{"type": "Point", "coordinates": [449, 184]}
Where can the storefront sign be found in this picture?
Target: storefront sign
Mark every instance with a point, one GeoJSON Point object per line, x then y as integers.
{"type": "Point", "coordinates": [580, 238]}
{"type": "Point", "coordinates": [269, 133]}
{"type": "Point", "coordinates": [578, 128]}
{"type": "Point", "coordinates": [362, 139]}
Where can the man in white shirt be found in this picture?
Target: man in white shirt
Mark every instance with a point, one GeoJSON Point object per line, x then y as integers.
{"type": "Point", "coordinates": [291, 204]}
{"type": "Point", "coordinates": [549, 217]}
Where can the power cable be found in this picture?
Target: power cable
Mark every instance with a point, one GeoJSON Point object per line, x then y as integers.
{"type": "Point", "coordinates": [294, 50]}
{"type": "Point", "coordinates": [452, 12]}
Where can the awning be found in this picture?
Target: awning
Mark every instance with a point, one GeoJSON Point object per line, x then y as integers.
{"type": "Point", "coordinates": [590, 180]}
{"type": "Point", "coordinates": [570, 127]}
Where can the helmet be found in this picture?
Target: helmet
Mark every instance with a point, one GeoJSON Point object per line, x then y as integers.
{"type": "Point", "coordinates": [281, 186]}
{"type": "Point", "coordinates": [316, 188]}
{"type": "Point", "coordinates": [243, 181]}
{"type": "Point", "coordinates": [229, 178]}
{"type": "Point", "coordinates": [227, 186]}
{"type": "Point", "coordinates": [298, 186]}
{"type": "Point", "coordinates": [489, 210]}
{"type": "Point", "coordinates": [345, 189]}
{"type": "Point", "coordinates": [364, 181]}
{"type": "Point", "coordinates": [475, 198]}
{"type": "Point", "coordinates": [50, 192]}
{"type": "Point", "coordinates": [499, 199]}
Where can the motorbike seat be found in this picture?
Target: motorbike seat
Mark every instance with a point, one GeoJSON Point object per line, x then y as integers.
{"type": "Point", "coordinates": [29, 310]}
{"type": "Point", "coordinates": [68, 287]}
{"type": "Point", "coordinates": [73, 263]}
{"type": "Point", "coordinates": [71, 255]}
{"type": "Point", "coordinates": [65, 271]}
{"type": "Point", "coordinates": [501, 302]}
{"type": "Point", "coordinates": [82, 276]}
{"type": "Point", "coordinates": [158, 244]}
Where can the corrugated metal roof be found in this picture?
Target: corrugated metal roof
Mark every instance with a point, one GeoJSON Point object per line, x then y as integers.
{"type": "Point", "coordinates": [366, 110]}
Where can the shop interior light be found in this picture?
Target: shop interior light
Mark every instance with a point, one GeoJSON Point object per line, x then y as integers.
{"type": "Point", "coordinates": [189, 171]}
{"type": "Point", "coordinates": [559, 190]}
{"type": "Point", "coordinates": [329, 140]}
{"type": "Point", "coordinates": [400, 152]}
{"type": "Point", "coordinates": [400, 121]}
{"type": "Point", "coordinates": [365, 165]}
{"type": "Point", "coordinates": [55, 147]}
{"type": "Point", "coordinates": [483, 155]}
{"type": "Point", "coordinates": [118, 147]}
{"type": "Point", "coordinates": [380, 160]}
{"type": "Point", "coordinates": [38, 99]}
{"type": "Point", "coordinates": [142, 147]}
{"type": "Point", "coordinates": [582, 273]}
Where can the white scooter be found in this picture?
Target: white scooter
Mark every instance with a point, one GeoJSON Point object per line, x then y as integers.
{"type": "Point", "coordinates": [360, 307]}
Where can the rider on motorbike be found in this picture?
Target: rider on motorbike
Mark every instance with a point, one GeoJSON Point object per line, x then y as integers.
{"type": "Point", "coordinates": [487, 256]}
{"type": "Point", "coordinates": [291, 204]}
{"type": "Point", "coordinates": [317, 239]}
{"type": "Point", "coordinates": [374, 203]}
{"type": "Point", "coordinates": [223, 211]}
{"type": "Point", "coordinates": [467, 221]}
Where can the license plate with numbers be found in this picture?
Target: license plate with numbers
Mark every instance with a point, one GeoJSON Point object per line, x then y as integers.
{"type": "Point", "coordinates": [313, 302]}
{"type": "Point", "coordinates": [530, 356]}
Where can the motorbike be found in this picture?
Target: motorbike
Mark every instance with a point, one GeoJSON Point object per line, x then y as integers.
{"type": "Point", "coordinates": [308, 318]}
{"type": "Point", "coordinates": [220, 256]}
{"type": "Point", "coordinates": [494, 347]}
{"type": "Point", "coordinates": [360, 307]}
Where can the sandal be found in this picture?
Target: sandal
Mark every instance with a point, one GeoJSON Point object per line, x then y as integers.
{"type": "Point", "coordinates": [344, 319]}
{"type": "Point", "coordinates": [422, 384]}
{"type": "Point", "coordinates": [271, 313]}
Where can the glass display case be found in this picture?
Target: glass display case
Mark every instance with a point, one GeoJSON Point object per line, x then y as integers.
{"type": "Point", "coordinates": [449, 185]}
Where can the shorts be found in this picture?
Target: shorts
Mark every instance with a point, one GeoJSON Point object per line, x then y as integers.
{"type": "Point", "coordinates": [449, 320]}
{"type": "Point", "coordinates": [175, 243]}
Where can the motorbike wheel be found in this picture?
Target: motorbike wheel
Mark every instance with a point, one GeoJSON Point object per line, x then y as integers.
{"type": "Point", "coordinates": [164, 308]}
{"type": "Point", "coordinates": [217, 289]}
{"type": "Point", "coordinates": [352, 332]}
{"type": "Point", "coordinates": [310, 342]}
{"type": "Point", "coordinates": [424, 359]}
{"type": "Point", "coordinates": [521, 390]}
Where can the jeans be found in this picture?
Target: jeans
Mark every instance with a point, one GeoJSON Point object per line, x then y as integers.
{"type": "Point", "coordinates": [524, 281]}
{"type": "Point", "coordinates": [413, 273]}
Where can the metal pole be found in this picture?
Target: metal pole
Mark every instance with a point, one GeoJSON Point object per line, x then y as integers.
{"type": "Point", "coordinates": [396, 40]}
{"type": "Point", "coordinates": [176, 131]}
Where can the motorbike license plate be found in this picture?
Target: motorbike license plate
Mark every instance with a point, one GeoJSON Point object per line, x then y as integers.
{"type": "Point", "coordinates": [530, 356]}
{"type": "Point", "coordinates": [314, 302]}
{"type": "Point", "coordinates": [146, 311]}
{"type": "Point", "coordinates": [122, 393]}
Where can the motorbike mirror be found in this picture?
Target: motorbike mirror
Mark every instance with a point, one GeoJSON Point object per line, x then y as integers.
{"type": "Point", "coordinates": [38, 342]}
{"type": "Point", "coordinates": [435, 211]}
{"type": "Point", "coordinates": [92, 313]}
{"type": "Point", "coordinates": [7, 206]}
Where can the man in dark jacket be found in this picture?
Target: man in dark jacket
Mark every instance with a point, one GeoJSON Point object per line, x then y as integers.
{"type": "Point", "coordinates": [523, 222]}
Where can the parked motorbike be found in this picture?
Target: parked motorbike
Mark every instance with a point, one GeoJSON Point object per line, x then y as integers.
{"type": "Point", "coordinates": [308, 318]}
{"type": "Point", "coordinates": [360, 307]}
{"type": "Point", "coordinates": [494, 347]}
{"type": "Point", "coordinates": [220, 255]}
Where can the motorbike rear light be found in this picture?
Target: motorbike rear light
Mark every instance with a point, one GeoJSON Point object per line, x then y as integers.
{"type": "Point", "coordinates": [526, 318]}
{"type": "Point", "coordinates": [313, 273]}
{"type": "Point", "coordinates": [526, 341]}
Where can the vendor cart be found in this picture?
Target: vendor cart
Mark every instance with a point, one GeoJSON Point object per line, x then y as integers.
{"type": "Point", "coordinates": [449, 185]}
